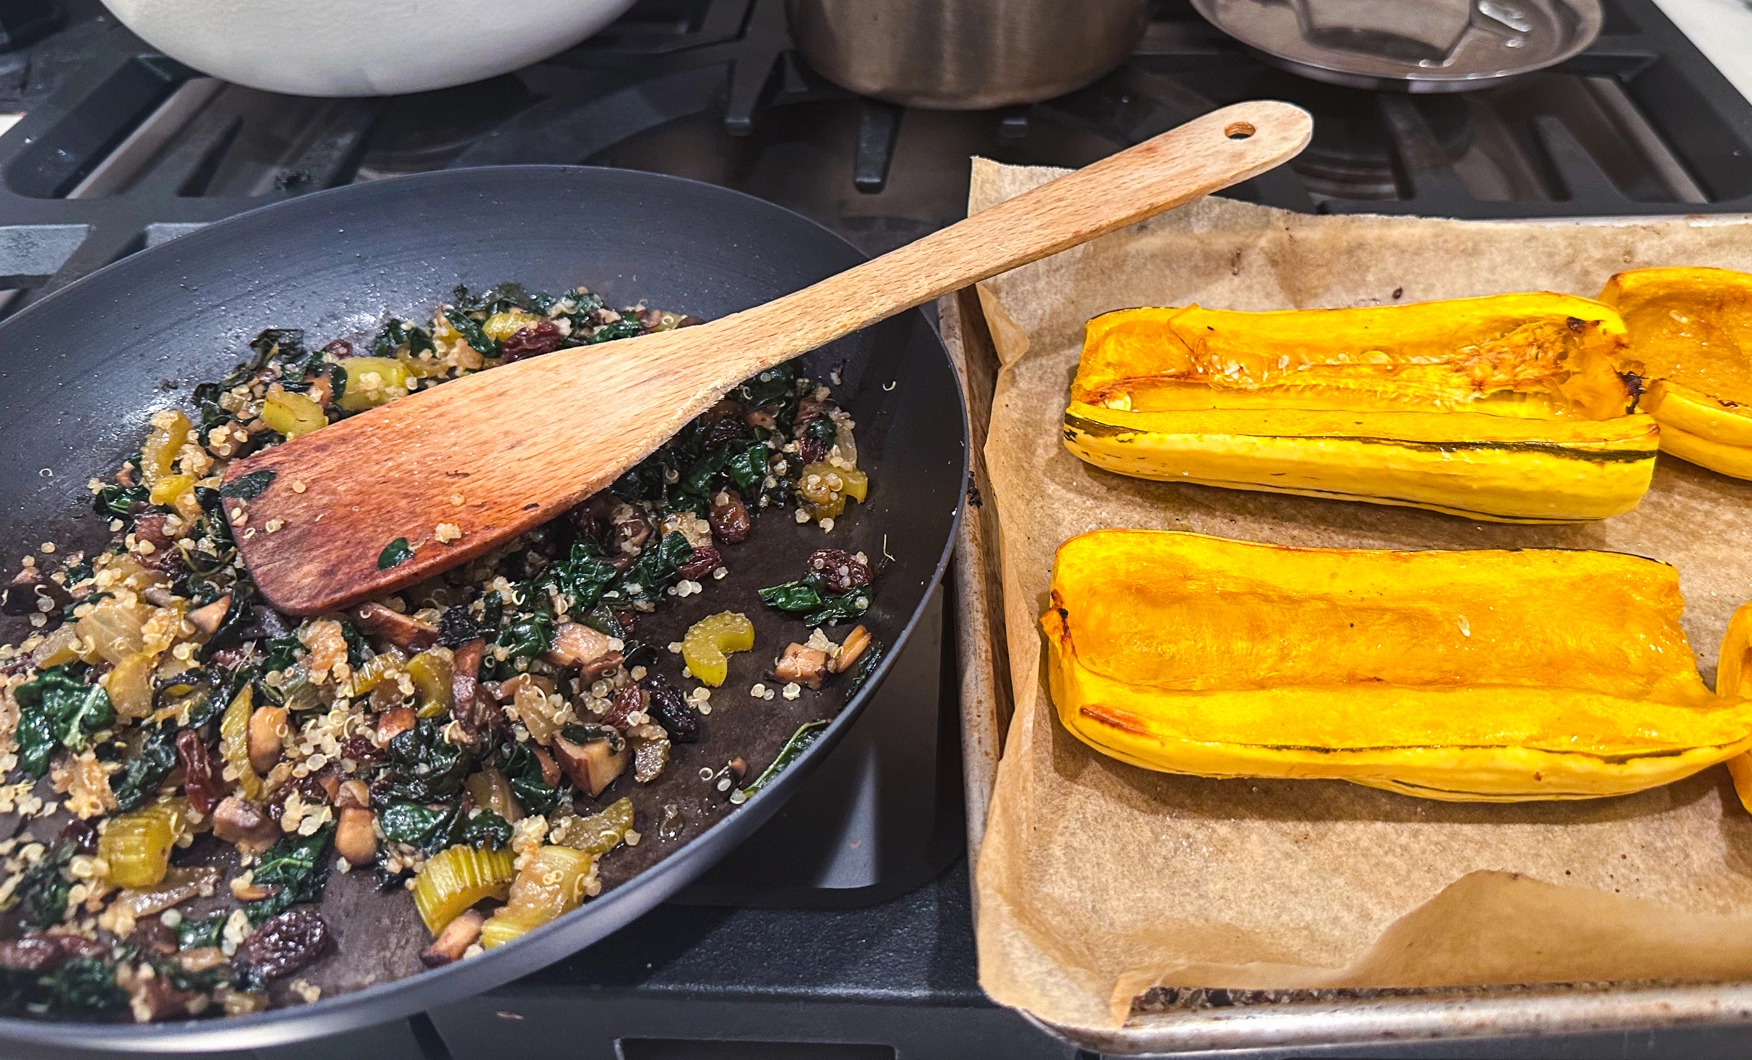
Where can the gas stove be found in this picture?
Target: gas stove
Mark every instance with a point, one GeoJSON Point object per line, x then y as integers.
{"type": "Point", "coordinates": [843, 929]}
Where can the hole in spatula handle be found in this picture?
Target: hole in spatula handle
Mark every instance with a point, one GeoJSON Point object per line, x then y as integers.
{"type": "Point", "coordinates": [1239, 130]}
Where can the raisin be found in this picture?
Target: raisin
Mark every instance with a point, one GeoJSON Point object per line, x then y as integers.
{"type": "Point", "coordinates": [285, 942]}
{"type": "Point", "coordinates": [28, 592]}
{"type": "Point", "coordinates": [456, 628]}
{"type": "Point", "coordinates": [339, 348]}
{"type": "Point", "coordinates": [810, 408]}
{"type": "Point", "coordinates": [629, 622]}
{"type": "Point", "coordinates": [532, 341]}
{"type": "Point", "coordinates": [154, 936]}
{"type": "Point", "coordinates": [81, 833]}
{"type": "Point", "coordinates": [670, 709]}
{"type": "Point", "coordinates": [163, 557]}
{"type": "Point", "coordinates": [33, 953]}
{"type": "Point", "coordinates": [703, 562]}
{"type": "Point", "coordinates": [631, 531]}
{"type": "Point", "coordinates": [73, 946]}
{"type": "Point", "coordinates": [627, 701]}
{"type": "Point", "coordinates": [729, 517]}
{"type": "Point", "coordinates": [838, 570]}
{"type": "Point", "coordinates": [361, 750]}
{"type": "Point", "coordinates": [591, 517]}
{"type": "Point", "coordinates": [309, 789]}
{"type": "Point", "coordinates": [728, 427]}
{"type": "Point", "coordinates": [226, 659]}
{"type": "Point", "coordinates": [200, 783]}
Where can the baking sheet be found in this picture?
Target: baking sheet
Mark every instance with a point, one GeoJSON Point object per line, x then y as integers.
{"type": "Point", "coordinates": [1097, 879]}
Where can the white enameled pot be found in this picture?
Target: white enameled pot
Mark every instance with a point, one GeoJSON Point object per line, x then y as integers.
{"type": "Point", "coordinates": [362, 47]}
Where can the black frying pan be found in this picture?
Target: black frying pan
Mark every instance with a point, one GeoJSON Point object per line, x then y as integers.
{"type": "Point", "coordinates": [81, 372]}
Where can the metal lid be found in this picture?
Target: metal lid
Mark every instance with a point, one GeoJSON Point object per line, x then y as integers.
{"type": "Point", "coordinates": [1422, 46]}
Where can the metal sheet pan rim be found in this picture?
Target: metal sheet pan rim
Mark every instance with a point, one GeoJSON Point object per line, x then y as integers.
{"type": "Point", "coordinates": [1407, 1020]}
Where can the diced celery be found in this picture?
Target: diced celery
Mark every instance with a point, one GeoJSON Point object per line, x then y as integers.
{"type": "Point", "coordinates": [371, 381]}
{"type": "Point", "coordinates": [292, 414]}
{"type": "Point", "coordinates": [457, 877]}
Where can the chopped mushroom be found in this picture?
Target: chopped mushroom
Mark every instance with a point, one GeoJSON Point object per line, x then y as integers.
{"type": "Point", "coordinates": [356, 835]}
{"type": "Point", "coordinates": [30, 591]}
{"type": "Point", "coordinates": [267, 736]}
{"type": "Point", "coordinates": [576, 644]}
{"type": "Point", "coordinates": [802, 665]}
{"type": "Point", "coordinates": [408, 634]}
{"type": "Point", "coordinates": [852, 649]}
{"type": "Point", "coordinates": [454, 940]}
{"type": "Point", "coordinates": [208, 618]}
{"type": "Point", "coordinates": [393, 722]}
{"type": "Point", "coordinates": [242, 825]}
{"type": "Point", "coordinates": [594, 764]}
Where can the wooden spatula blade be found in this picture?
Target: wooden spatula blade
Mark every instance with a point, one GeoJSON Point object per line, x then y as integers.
{"type": "Point", "coordinates": [393, 496]}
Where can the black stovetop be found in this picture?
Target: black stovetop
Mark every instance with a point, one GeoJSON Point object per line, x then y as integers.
{"type": "Point", "coordinates": [843, 930]}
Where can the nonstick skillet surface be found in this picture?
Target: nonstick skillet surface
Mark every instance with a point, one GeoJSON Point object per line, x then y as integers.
{"type": "Point", "coordinates": [82, 371]}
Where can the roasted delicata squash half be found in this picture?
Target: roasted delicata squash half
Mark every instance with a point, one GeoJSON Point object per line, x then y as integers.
{"type": "Point", "coordinates": [1465, 676]}
{"type": "Point", "coordinates": [1691, 334]}
{"type": "Point", "coordinates": [1508, 408]}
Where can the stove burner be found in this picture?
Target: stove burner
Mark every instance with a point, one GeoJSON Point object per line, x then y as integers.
{"type": "Point", "coordinates": [427, 131]}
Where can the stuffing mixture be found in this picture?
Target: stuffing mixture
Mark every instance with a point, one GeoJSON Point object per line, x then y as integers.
{"type": "Point", "coordinates": [470, 741]}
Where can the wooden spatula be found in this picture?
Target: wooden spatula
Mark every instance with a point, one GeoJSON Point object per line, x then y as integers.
{"type": "Point", "coordinates": [496, 453]}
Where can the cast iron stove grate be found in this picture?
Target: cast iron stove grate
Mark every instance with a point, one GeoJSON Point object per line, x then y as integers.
{"type": "Point", "coordinates": [121, 148]}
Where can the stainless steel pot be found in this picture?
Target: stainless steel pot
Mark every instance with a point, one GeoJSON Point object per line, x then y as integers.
{"type": "Point", "coordinates": [965, 54]}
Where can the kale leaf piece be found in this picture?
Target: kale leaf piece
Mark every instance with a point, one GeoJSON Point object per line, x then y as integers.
{"type": "Point", "coordinates": [866, 666]}
{"type": "Point", "coordinates": [431, 830]}
{"type": "Point", "coordinates": [648, 480]}
{"type": "Point", "coordinates": [356, 646]}
{"type": "Point", "coordinates": [61, 707]}
{"type": "Point", "coordinates": [120, 502]}
{"type": "Point", "coordinates": [525, 635]}
{"type": "Point", "coordinates": [296, 866]}
{"type": "Point", "coordinates": [470, 330]}
{"type": "Point", "coordinates": [42, 890]}
{"type": "Point", "coordinates": [84, 984]}
{"type": "Point", "coordinates": [582, 575]}
{"type": "Point", "coordinates": [655, 568]}
{"type": "Point", "coordinates": [398, 334]}
{"type": "Point", "coordinates": [522, 770]}
{"type": "Point", "coordinates": [418, 826]}
{"type": "Point", "coordinates": [197, 933]}
{"type": "Point", "coordinates": [624, 328]}
{"type": "Point", "coordinates": [395, 554]}
{"type": "Point", "coordinates": [249, 487]}
{"type": "Point", "coordinates": [487, 829]}
{"type": "Point", "coordinates": [446, 765]}
{"type": "Point", "coordinates": [809, 595]}
{"type": "Point", "coordinates": [145, 769]}
{"type": "Point", "coordinates": [771, 387]}
{"type": "Point", "coordinates": [748, 463]}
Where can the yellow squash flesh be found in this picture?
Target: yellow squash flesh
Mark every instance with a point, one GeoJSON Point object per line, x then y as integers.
{"type": "Point", "coordinates": [1463, 676]}
{"type": "Point", "coordinates": [1691, 338]}
{"type": "Point", "coordinates": [1507, 408]}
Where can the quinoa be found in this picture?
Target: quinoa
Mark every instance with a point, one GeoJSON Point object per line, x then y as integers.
{"type": "Point", "coordinates": [169, 708]}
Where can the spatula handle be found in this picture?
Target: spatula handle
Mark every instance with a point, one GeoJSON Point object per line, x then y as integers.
{"type": "Point", "coordinates": [1205, 155]}
{"type": "Point", "coordinates": [488, 456]}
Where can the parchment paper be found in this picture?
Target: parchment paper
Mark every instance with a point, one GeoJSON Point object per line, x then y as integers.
{"type": "Point", "coordinates": [1099, 879]}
